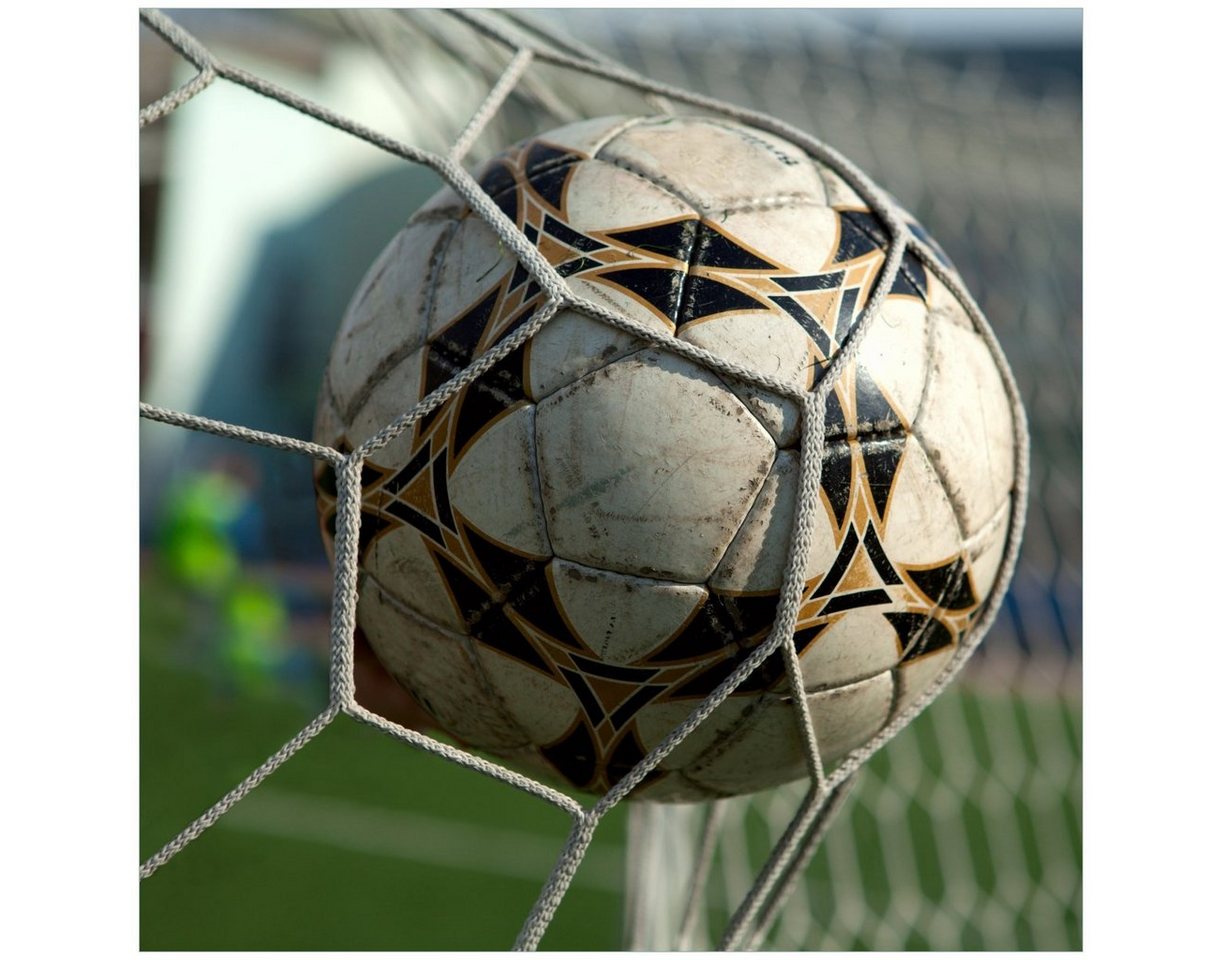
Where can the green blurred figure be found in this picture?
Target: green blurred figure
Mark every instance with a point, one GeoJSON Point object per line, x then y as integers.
{"type": "Point", "coordinates": [237, 624]}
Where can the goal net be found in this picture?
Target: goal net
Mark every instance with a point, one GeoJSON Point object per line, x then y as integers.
{"type": "Point", "coordinates": [963, 832]}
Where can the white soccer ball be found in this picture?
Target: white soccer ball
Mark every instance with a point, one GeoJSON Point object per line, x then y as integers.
{"type": "Point", "coordinates": [570, 554]}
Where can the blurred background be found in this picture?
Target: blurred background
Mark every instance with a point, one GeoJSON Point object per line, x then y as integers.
{"type": "Point", "coordinates": [257, 223]}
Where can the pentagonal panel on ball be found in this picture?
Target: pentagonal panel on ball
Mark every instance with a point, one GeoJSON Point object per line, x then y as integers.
{"type": "Point", "coordinates": [494, 487]}
{"type": "Point", "coordinates": [621, 618]}
{"type": "Point", "coordinates": [966, 426]}
{"type": "Point", "coordinates": [717, 164]}
{"type": "Point", "coordinates": [767, 749]}
{"type": "Point", "coordinates": [648, 466]}
{"type": "Point", "coordinates": [756, 559]}
{"type": "Point", "coordinates": [387, 315]}
{"type": "Point", "coordinates": [440, 670]}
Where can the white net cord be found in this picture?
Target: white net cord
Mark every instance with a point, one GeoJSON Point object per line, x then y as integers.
{"type": "Point", "coordinates": [657, 847]}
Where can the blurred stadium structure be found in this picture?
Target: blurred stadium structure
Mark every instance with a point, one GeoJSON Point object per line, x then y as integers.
{"type": "Point", "coordinates": [965, 831]}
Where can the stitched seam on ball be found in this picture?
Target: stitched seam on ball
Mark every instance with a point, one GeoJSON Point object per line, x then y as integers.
{"type": "Point", "coordinates": [821, 173]}
{"type": "Point", "coordinates": [547, 166]}
{"type": "Point", "coordinates": [615, 132]}
{"type": "Point", "coordinates": [438, 214]}
{"type": "Point", "coordinates": [537, 475]}
{"type": "Point", "coordinates": [754, 498]}
{"type": "Point", "coordinates": [779, 201]}
{"type": "Point", "coordinates": [673, 189]}
{"type": "Point", "coordinates": [652, 121]}
{"type": "Point", "coordinates": [405, 351]}
{"type": "Point", "coordinates": [485, 685]}
{"type": "Point", "coordinates": [929, 354]}
{"type": "Point", "coordinates": [585, 373]}
{"type": "Point", "coordinates": [990, 525]}
{"type": "Point", "coordinates": [445, 354]}
{"type": "Point", "coordinates": [670, 581]}
{"type": "Point", "coordinates": [955, 506]}
{"type": "Point", "coordinates": [952, 586]}
{"type": "Point", "coordinates": [884, 243]}
{"type": "Point", "coordinates": [894, 706]}
{"type": "Point", "coordinates": [706, 792]}
{"type": "Point", "coordinates": [742, 726]}
{"type": "Point", "coordinates": [326, 395]}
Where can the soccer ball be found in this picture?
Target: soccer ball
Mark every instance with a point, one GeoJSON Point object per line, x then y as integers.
{"type": "Point", "coordinates": [570, 554]}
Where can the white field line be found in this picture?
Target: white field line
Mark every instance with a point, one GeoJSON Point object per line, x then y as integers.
{"type": "Point", "coordinates": [437, 841]}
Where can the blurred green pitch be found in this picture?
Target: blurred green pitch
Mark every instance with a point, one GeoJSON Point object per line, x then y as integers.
{"type": "Point", "coordinates": [360, 842]}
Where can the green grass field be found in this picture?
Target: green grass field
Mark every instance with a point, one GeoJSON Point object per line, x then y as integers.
{"type": "Point", "coordinates": [361, 842]}
{"type": "Point", "coordinates": [358, 842]}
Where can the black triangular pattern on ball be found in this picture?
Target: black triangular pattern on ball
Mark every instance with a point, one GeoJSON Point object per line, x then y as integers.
{"type": "Point", "coordinates": [868, 229]}
{"type": "Point", "coordinates": [542, 157]}
{"type": "Point", "coordinates": [535, 603]}
{"type": "Point", "coordinates": [559, 230]}
{"type": "Point", "coordinates": [504, 568]}
{"type": "Point", "coordinates": [520, 276]}
{"type": "Point", "coordinates": [716, 249]}
{"type": "Point", "coordinates": [878, 557]}
{"type": "Point", "coordinates": [453, 349]}
{"type": "Point", "coordinates": [674, 239]}
{"type": "Point", "coordinates": [919, 634]}
{"type": "Point", "coordinates": [471, 597]}
{"type": "Point", "coordinates": [840, 565]}
{"type": "Point", "coordinates": [705, 633]}
{"type": "Point", "coordinates": [624, 713]}
{"type": "Point", "coordinates": [947, 586]}
{"type": "Point", "coordinates": [704, 296]}
{"type": "Point", "coordinates": [499, 182]}
{"type": "Point", "coordinates": [811, 282]}
{"type": "Point", "coordinates": [496, 630]}
{"type": "Point", "coordinates": [806, 322]}
{"type": "Point", "coordinates": [854, 240]}
{"type": "Point", "coordinates": [835, 424]}
{"type": "Point", "coordinates": [855, 600]}
{"type": "Point", "coordinates": [847, 314]}
{"type": "Point", "coordinates": [659, 287]}
{"type": "Point", "coordinates": [626, 755]}
{"type": "Point", "coordinates": [589, 700]}
{"type": "Point", "coordinates": [520, 319]}
{"type": "Point", "coordinates": [712, 676]}
{"type": "Point", "coordinates": [414, 518]}
{"type": "Point", "coordinates": [419, 460]}
{"type": "Point", "coordinates": [874, 413]}
{"type": "Point", "coordinates": [579, 265]}
{"type": "Point", "coordinates": [837, 480]}
{"type": "Point", "coordinates": [441, 491]}
{"type": "Point", "coordinates": [762, 678]}
{"type": "Point", "coordinates": [574, 755]}
{"type": "Point", "coordinates": [751, 614]}
{"type": "Point", "coordinates": [550, 185]}
{"type": "Point", "coordinates": [907, 626]}
{"type": "Point", "coordinates": [499, 389]}
{"type": "Point", "coordinates": [613, 671]}
{"type": "Point", "coordinates": [881, 459]}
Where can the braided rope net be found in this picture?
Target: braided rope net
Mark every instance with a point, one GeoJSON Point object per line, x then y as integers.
{"type": "Point", "coordinates": [527, 47]}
